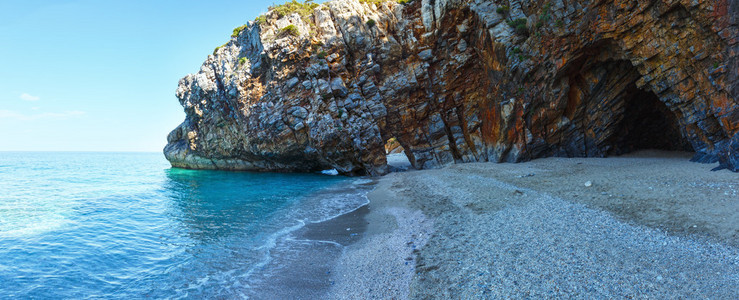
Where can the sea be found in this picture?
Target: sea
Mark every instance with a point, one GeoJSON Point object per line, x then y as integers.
{"type": "Point", "coordinates": [128, 226]}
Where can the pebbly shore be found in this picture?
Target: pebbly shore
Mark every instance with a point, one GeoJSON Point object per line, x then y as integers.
{"type": "Point", "coordinates": [644, 225]}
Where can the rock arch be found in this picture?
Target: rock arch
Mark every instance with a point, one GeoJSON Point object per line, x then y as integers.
{"type": "Point", "coordinates": [455, 83]}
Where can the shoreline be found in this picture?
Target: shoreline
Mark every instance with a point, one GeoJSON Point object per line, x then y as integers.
{"type": "Point", "coordinates": [300, 261]}
{"type": "Point", "coordinates": [382, 263]}
{"type": "Point", "coordinates": [649, 223]}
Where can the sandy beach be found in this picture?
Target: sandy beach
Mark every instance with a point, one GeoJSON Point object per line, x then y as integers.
{"type": "Point", "coordinates": [649, 224]}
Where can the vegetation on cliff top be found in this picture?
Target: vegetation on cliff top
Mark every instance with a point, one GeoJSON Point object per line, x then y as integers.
{"type": "Point", "coordinates": [380, 1]}
{"type": "Point", "coordinates": [219, 48]}
{"type": "Point", "coordinates": [261, 19]}
{"type": "Point", "coordinates": [305, 9]}
{"type": "Point", "coordinates": [238, 30]}
{"type": "Point", "coordinates": [289, 30]}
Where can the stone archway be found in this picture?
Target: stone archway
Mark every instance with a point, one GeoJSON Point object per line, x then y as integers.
{"type": "Point", "coordinates": [396, 156]}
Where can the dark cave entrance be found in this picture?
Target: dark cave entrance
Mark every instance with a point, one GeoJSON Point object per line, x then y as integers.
{"type": "Point", "coordinates": [647, 123]}
{"type": "Point", "coordinates": [614, 115]}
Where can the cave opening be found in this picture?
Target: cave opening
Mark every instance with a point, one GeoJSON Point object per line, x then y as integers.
{"type": "Point", "coordinates": [615, 115]}
{"type": "Point", "coordinates": [396, 156]}
{"type": "Point", "coordinates": [647, 123]}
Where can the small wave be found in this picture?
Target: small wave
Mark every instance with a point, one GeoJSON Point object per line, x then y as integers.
{"type": "Point", "coordinates": [290, 239]}
{"type": "Point", "coordinates": [268, 246]}
{"type": "Point", "coordinates": [331, 203]}
{"type": "Point", "coordinates": [322, 206]}
{"type": "Point", "coordinates": [331, 217]}
{"type": "Point", "coordinates": [362, 181]}
{"type": "Point", "coordinates": [272, 239]}
{"type": "Point", "coordinates": [332, 172]}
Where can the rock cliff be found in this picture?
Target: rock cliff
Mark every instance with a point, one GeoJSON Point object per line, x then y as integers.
{"type": "Point", "coordinates": [463, 81]}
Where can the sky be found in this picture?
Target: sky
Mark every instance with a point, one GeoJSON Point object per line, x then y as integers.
{"type": "Point", "coordinates": [90, 75]}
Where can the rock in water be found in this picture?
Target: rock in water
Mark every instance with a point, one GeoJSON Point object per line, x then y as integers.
{"type": "Point", "coordinates": [455, 81]}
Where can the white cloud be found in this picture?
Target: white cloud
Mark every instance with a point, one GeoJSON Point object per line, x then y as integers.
{"type": "Point", "coordinates": [29, 97]}
{"type": "Point", "coordinates": [10, 114]}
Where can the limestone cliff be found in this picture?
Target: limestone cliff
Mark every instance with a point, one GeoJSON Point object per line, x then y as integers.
{"type": "Point", "coordinates": [465, 80]}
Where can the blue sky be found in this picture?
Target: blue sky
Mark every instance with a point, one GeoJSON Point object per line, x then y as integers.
{"type": "Point", "coordinates": [89, 75]}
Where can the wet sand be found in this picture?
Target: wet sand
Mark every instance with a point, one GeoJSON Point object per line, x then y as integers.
{"type": "Point", "coordinates": [301, 262]}
{"type": "Point", "coordinates": [382, 264]}
{"type": "Point", "coordinates": [344, 230]}
{"type": "Point", "coordinates": [649, 224]}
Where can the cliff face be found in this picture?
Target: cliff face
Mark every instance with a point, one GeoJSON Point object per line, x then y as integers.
{"type": "Point", "coordinates": [457, 81]}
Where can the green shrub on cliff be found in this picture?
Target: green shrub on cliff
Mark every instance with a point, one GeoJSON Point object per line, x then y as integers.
{"type": "Point", "coordinates": [242, 61]}
{"type": "Point", "coordinates": [372, 1]}
{"type": "Point", "coordinates": [380, 1]}
{"type": "Point", "coordinates": [546, 12]}
{"type": "Point", "coordinates": [503, 10]}
{"type": "Point", "coordinates": [519, 53]}
{"type": "Point", "coordinates": [545, 15]}
{"type": "Point", "coordinates": [262, 19]}
{"type": "Point", "coordinates": [218, 48]}
{"type": "Point", "coordinates": [519, 26]}
{"type": "Point", "coordinates": [322, 54]}
{"type": "Point", "coordinates": [305, 9]}
{"type": "Point", "coordinates": [289, 30]}
{"type": "Point", "coordinates": [371, 23]}
{"type": "Point", "coordinates": [238, 30]}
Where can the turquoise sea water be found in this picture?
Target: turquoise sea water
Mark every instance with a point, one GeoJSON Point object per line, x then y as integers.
{"type": "Point", "coordinates": [126, 225]}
